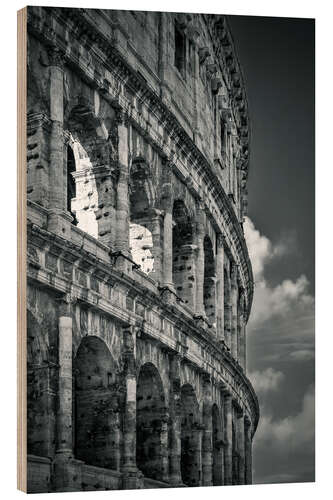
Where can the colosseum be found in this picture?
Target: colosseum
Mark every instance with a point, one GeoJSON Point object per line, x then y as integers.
{"type": "Point", "coordinates": [139, 283]}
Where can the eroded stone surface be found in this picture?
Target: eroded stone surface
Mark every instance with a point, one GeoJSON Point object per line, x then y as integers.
{"type": "Point", "coordinates": [139, 281]}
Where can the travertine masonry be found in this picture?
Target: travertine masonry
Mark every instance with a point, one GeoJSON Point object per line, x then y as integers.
{"type": "Point", "coordinates": [139, 280]}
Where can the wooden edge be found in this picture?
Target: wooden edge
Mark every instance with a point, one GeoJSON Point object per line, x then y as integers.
{"type": "Point", "coordinates": [21, 250]}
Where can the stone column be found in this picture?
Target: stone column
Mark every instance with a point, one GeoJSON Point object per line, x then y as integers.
{"type": "Point", "coordinates": [234, 300]}
{"type": "Point", "coordinates": [156, 223]}
{"type": "Point", "coordinates": [164, 439]}
{"type": "Point", "coordinates": [248, 451]}
{"type": "Point", "coordinates": [130, 472]}
{"type": "Point", "coordinates": [227, 310]}
{"type": "Point", "coordinates": [228, 439]}
{"type": "Point", "coordinates": [63, 473]}
{"type": "Point", "coordinates": [58, 219]}
{"type": "Point", "coordinates": [122, 229]}
{"type": "Point", "coordinates": [241, 448]}
{"type": "Point", "coordinates": [193, 33]}
{"type": "Point", "coordinates": [241, 332]}
{"type": "Point", "coordinates": [167, 225]}
{"type": "Point", "coordinates": [200, 261]}
{"type": "Point", "coordinates": [207, 445]}
{"type": "Point", "coordinates": [220, 288]}
{"type": "Point", "coordinates": [175, 477]}
{"type": "Point", "coordinates": [164, 63]}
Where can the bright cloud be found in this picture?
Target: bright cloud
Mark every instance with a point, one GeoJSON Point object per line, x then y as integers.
{"type": "Point", "coordinates": [267, 380]}
{"type": "Point", "coordinates": [271, 301]}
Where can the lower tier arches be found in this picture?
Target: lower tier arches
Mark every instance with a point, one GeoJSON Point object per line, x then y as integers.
{"type": "Point", "coordinates": [151, 424]}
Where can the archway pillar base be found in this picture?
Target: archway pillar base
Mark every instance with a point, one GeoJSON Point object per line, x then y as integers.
{"type": "Point", "coordinates": [67, 473]}
{"type": "Point", "coordinates": [133, 478]}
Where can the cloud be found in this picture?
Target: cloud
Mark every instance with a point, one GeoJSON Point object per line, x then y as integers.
{"type": "Point", "coordinates": [289, 443]}
{"type": "Point", "coordinates": [302, 355]}
{"type": "Point", "coordinates": [280, 348]}
{"type": "Point", "coordinates": [271, 301]}
{"type": "Point", "coordinates": [267, 380]}
{"type": "Point", "coordinates": [290, 434]}
{"type": "Point", "coordinates": [260, 247]}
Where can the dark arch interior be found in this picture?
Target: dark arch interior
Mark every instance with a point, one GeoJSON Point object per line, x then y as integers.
{"type": "Point", "coordinates": [96, 415]}
{"type": "Point", "coordinates": [217, 446]}
{"type": "Point", "coordinates": [151, 433]}
{"type": "Point", "coordinates": [190, 437]}
{"type": "Point", "coordinates": [139, 203]}
{"type": "Point", "coordinates": [71, 186]}
{"type": "Point", "coordinates": [183, 274]}
{"type": "Point", "coordinates": [209, 275]}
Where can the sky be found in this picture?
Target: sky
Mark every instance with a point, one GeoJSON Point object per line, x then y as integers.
{"type": "Point", "coordinates": [277, 59]}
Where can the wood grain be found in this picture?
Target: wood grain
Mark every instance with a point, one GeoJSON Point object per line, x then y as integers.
{"type": "Point", "coordinates": [21, 250]}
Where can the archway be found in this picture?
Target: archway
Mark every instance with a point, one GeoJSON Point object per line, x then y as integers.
{"type": "Point", "coordinates": [190, 437]}
{"type": "Point", "coordinates": [96, 415]}
{"type": "Point", "coordinates": [151, 424]}
{"type": "Point", "coordinates": [141, 228]}
{"type": "Point", "coordinates": [209, 280]}
{"type": "Point", "coordinates": [71, 185]}
{"type": "Point", "coordinates": [95, 189]}
{"type": "Point", "coordinates": [217, 446]}
{"type": "Point", "coordinates": [83, 196]}
{"type": "Point", "coordinates": [183, 262]}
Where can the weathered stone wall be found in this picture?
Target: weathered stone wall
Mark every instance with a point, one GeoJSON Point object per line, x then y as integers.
{"type": "Point", "coordinates": [140, 285]}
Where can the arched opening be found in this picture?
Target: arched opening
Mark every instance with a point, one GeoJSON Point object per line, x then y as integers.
{"type": "Point", "coordinates": [190, 437]}
{"type": "Point", "coordinates": [96, 415]}
{"type": "Point", "coordinates": [141, 228]}
{"type": "Point", "coordinates": [151, 424]}
{"type": "Point", "coordinates": [94, 204]}
{"type": "Point", "coordinates": [183, 261]}
{"type": "Point", "coordinates": [209, 280]}
{"type": "Point", "coordinates": [83, 197]}
{"type": "Point", "coordinates": [217, 446]}
{"type": "Point", "coordinates": [71, 185]}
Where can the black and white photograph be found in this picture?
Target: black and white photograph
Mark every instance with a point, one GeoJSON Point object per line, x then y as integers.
{"type": "Point", "coordinates": [168, 283]}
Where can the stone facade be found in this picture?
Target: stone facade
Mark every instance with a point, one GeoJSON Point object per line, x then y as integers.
{"type": "Point", "coordinates": [139, 280]}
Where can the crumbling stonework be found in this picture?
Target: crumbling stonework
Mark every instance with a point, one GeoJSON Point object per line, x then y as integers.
{"type": "Point", "coordinates": [139, 280]}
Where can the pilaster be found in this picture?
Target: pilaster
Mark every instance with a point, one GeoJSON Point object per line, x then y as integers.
{"type": "Point", "coordinates": [248, 450]}
{"type": "Point", "coordinates": [207, 446]}
{"type": "Point", "coordinates": [175, 477]}
{"type": "Point", "coordinates": [64, 479]}
{"type": "Point", "coordinates": [200, 261]}
{"type": "Point", "coordinates": [220, 288]}
{"type": "Point", "coordinates": [130, 471]}
{"type": "Point", "coordinates": [228, 439]}
{"type": "Point", "coordinates": [122, 199]}
{"type": "Point", "coordinates": [58, 219]}
{"type": "Point", "coordinates": [234, 301]}
{"type": "Point", "coordinates": [166, 201]}
{"type": "Point", "coordinates": [240, 447]}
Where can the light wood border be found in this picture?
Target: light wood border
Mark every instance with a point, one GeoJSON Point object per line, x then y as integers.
{"type": "Point", "coordinates": [21, 249]}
